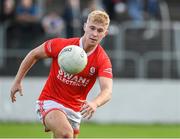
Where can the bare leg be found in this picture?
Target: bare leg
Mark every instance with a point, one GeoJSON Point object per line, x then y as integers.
{"type": "Point", "coordinates": [57, 122]}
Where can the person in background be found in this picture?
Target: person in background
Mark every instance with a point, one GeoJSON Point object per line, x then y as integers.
{"type": "Point", "coordinates": [113, 7]}
{"type": "Point", "coordinates": [72, 18]}
{"type": "Point", "coordinates": [135, 11]}
{"type": "Point", "coordinates": [91, 6]}
{"type": "Point", "coordinates": [26, 12]}
{"type": "Point", "coordinates": [63, 100]}
{"type": "Point", "coordinates": [8, 11]}
{"type": "Point", "coordinates": [53, 25]}
{"type": "Point", "coordinates": [27, 20]}
{"type": "Point", "coordinates": [8, 21]}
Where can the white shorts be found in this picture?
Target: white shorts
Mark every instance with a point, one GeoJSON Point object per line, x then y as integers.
{"type": "Point", "coordinates": [44, 107]}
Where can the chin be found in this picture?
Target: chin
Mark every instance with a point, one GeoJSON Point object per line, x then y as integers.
{"type": "Point", "coordinates": [93, 43]}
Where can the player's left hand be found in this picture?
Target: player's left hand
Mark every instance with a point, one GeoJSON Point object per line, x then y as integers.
{"type": "Point", "coordinates": [88, 109]}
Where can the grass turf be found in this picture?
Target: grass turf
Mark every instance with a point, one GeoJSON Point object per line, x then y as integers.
{"type": "Point", "coordinates": [93, 130]}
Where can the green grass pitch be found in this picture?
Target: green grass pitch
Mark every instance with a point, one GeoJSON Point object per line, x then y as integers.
{"type": "Point", "coordinates": [94, 130]}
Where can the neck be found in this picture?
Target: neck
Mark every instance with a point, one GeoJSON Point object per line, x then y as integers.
{"type": "Point", "coordinates": [87, 48]}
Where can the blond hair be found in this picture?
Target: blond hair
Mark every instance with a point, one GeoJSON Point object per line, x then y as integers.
{"type": "Point", "coordinates": [98, 16]}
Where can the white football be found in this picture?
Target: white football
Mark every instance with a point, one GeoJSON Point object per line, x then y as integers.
{"type": "Point", "coordinates": [72, 59]}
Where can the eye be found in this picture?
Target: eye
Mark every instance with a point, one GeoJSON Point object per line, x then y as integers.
{"type": "Point", "coordinates": [100, 30]}
{"type": "Point", "coordinates": [92, 27]}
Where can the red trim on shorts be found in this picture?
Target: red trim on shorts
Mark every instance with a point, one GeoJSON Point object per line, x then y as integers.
{"type": "Point", "coordinates": [76, 131]}
{"type": "Point", "coordinates": [41, 110]}
{"type": "Point", "coordinates": [44, 113]}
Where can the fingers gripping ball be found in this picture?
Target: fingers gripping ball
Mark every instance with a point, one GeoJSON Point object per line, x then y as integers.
{"type": "Point", "coordinates": [72, 59]}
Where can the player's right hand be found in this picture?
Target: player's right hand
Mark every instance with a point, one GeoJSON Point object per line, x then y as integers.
{"type": "Point", "coordinates": [88, 109]}
{"type": "Point", "coordinates": [15, 88]}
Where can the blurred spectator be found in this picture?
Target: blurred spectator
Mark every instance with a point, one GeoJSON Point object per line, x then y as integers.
{"type": "Point", "coordinates": [114, 7]}
{"type": "Point", "coordinates": [53, 25]}
{"type": "Point", "coordinates": [8, 11]}
{"type": "Point", "coordinates": [72, 18]}
{"type": "Point", "coordinates": [1, 8]}
{"type": "Point", "coordinates": [152, 9]}
{"type": "Point", "coordinates": [152, 14]}
{"type": "Point", "coordinates": [135, 10]}
{"type": "Point", "coordinates": [8, 18]}
{"type": "Point", "coordinates": [28, 26]}
{"type": "Point", "coordinates": [91, 5]}
{"type": "Point", "coordinates": [57, 5]}
{"type": "Point", "coordinates": [27, 12]}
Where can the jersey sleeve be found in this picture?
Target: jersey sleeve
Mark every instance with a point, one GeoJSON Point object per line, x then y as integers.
{"type": "Point", "coordinates": [105, 68]}
{"type": "Point", "coordinates": [52, 47]}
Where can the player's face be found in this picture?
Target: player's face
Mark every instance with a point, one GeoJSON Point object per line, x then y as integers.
{"type": "Point", "coordinates": [94, 32]}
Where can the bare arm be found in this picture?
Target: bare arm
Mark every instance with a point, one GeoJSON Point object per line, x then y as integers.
{"type": "Point", "coordinates": [106, 91]}
{"type": "Point", "coordinates": [104, 96]}
{"type": "Point", "coordinates": [31, 58]}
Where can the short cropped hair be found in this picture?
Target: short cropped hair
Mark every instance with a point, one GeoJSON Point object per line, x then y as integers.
{"type": "Point", "coordinates": [98, 16]}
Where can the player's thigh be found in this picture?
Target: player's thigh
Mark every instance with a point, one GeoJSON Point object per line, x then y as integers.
{"type": "Point", "coordinates": [57, 120]}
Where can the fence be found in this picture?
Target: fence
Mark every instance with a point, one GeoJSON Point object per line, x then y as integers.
{"type": "Point", "coordinates": [165, 48]}
{"type": "Point", "coordinates": [132, 56]}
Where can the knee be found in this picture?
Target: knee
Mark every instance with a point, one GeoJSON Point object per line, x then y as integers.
{"type": "Point", "coordinates": [67, 134]}
{"type": "Point", "coordinates": [64, 133]}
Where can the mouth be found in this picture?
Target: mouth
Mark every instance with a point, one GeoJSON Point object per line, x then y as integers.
{"type": "Point", "coordinates": [93, 39]}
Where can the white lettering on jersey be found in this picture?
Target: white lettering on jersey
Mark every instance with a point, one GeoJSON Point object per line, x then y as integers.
{"type": "Point", "coordinates": [71, 79]}
{"type": "Point", "coordinates": [67, 75]}
{"type": "Point", "coordinates": [82, 80]}
{"type": "Point", "coordinates": [75, 78]}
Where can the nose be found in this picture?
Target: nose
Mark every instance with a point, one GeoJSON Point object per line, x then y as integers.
{"type": "Point", "coordinates": [95, 33]}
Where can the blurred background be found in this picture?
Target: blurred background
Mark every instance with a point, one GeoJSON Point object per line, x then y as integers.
{"type": "Point", "coordinates": [143, 44]}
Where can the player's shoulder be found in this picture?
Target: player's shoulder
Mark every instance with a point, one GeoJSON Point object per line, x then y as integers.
{"type": "Point", "coordinates": [73, 39]}
{"type": "Point", "coordinates": [100, 48]}
{"type": "Point", "coordinates": [101, 52]}
{"type": "Point", "coordinates": [66, 40]}
{"type": "Point", "coordinates": [62, 42]}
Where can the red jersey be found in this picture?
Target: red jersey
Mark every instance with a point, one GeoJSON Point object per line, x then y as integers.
{"type": "Point", "coordinates": [66, 88]}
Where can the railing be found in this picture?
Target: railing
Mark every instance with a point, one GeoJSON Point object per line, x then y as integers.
{"type": "Point", "coordinates": [119, 54]}
{"type": "Point", "coordinates": [2, 44]}
{"type": "Point", "coordinates": [166, 55]}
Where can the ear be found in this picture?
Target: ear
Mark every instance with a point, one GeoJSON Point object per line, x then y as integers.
{"type": "Point", "coordinates": [85, 24]}
{"type": "Point", "coordinates": [106, 33]}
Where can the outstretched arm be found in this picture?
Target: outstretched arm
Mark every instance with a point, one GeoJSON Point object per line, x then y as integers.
{"type": "Point", "coordinates": [104, 96]}
{"type": "Point", "coordinates": [31, 58]}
